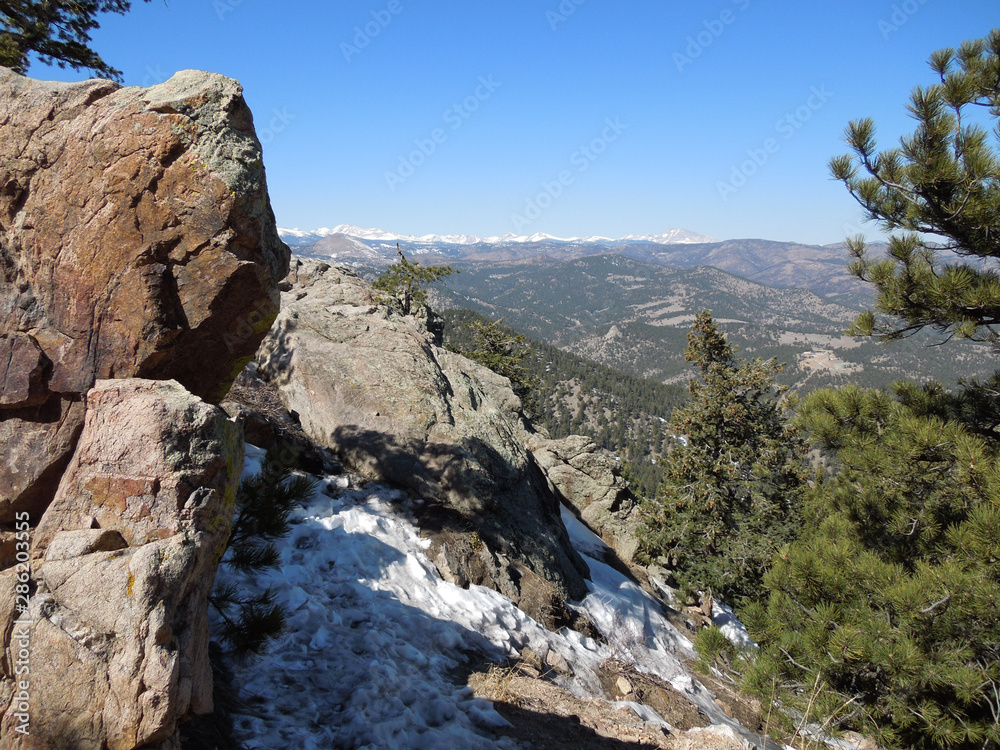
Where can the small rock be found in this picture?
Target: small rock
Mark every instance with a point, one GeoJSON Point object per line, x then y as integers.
{"type": "Point", "coordinates": [529, 657]}
{"type": "Point", "coordinates": [624, 686]}
{"type": "Point", "coordinates": [528, 671]}
{"type": "Point", "coordinates": [558, 662]}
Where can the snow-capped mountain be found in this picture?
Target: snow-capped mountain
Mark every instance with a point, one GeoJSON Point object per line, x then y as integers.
{"type": "Point", "coordinates": [300, 238]}
{"type": "Point", "coordinates": [670, 237]}
{"type": "Point", "coordinates": [820, 269]}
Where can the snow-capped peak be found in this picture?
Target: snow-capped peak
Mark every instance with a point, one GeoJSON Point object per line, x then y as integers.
{"type": "Point", "coordinates": [670, 237]}
{"type": "Point", "coordinates": [300, 237]}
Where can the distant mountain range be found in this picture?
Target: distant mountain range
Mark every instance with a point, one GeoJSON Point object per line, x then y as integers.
{"type": "Point", "coordinates": [634, 316]}
{"type": "Point", "coordinates": [299, 237]}
{"type": "Point", "coordinates": [822, 269]}
{"type": "Point", "coordinates": [628, 302]}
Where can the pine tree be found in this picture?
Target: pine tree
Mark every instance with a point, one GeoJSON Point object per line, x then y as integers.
{"type": "Point", "coordinates": [57, 32]}
{"type": "Point", "coordinates": [733, 480]}
{"type": "Point", "coordinates": [503, 351]}
{"type": "Point", "coordinates": [403, 282]}
{"type": "Point", "coordinates": [263, 506]}
{"type": "Point", "coordinates": [884, 616]}
{"type": "Point", "coordinates": [943, 181]}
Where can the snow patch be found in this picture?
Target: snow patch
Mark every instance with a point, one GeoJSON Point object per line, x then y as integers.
{"type": "Point", "coordinates": [375, 637]}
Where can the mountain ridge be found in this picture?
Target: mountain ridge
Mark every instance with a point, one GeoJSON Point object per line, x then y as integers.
{"type": "Point", "coordinates": [298, 237]}
{"type": "Point", "coordinates": [821, 269]}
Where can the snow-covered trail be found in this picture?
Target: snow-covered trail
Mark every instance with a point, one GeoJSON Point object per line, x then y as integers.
{"type": "Point", "coordinates": [375, 634]}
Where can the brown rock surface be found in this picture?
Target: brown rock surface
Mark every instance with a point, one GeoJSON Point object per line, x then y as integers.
{"type": "Point", "coordinates": [123, 561]}
{"type": "Point", "coordinates": [136, 240]}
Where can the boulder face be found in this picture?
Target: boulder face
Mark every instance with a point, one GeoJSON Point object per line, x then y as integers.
{"type": "Point", "coordinates": [114, 639]}
{"type": "Point", "coordinates": [375, 387]}
{"type": "Point", "coordinates": [136, 240]}
{"type": "Point", "coordinates": [590, 483]}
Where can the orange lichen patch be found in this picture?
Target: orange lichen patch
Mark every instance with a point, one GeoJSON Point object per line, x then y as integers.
{"type": "Point", "coordinates": [117, 493]}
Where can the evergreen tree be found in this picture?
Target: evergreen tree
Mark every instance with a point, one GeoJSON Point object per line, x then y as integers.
{"type": "Point", "coordinates": [943, 181]}
{"type": "Point", "coordinates": [503, 351]}
{"type": "Point", "coordinates": [57, 32]}
{"type": "Point", "coordinates": [884, 616]}
{"type": "Point", "coordinates": [404, 280]}
{"type": "Point", "coordinates": [263, 506]}
{"type": "Point", "coordinates": [731, 494]}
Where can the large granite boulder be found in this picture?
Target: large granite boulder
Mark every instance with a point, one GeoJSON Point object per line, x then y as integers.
{"type": "Point", "coordinates": [375, 387]}
{"type": "Point", "coordinates": [590, 482]}
{"type": "Point", "coordinates": [113, 645]}
{"type": "Point", "coordinates": [136, 240]}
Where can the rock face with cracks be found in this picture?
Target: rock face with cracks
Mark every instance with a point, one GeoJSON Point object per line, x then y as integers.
{"type": "Point", "coordinates": [136, 240]}
{"type": "Point", "coordinates": [376, 388]}
{"type": "Point", "coordinates": [114, 640]}
{"type": "Point", "coordinates": [591, 483]}
{"type": "Point", "coordinates": [139, 265]}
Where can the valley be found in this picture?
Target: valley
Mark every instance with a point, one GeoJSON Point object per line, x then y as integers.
{"type": "Point", "coordinates": [628, 303]}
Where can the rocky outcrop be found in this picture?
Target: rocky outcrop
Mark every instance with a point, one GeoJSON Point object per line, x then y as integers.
{"type": "Point", "coordinates": [136, 240]}
{"type": "Point", "coordinates": [113, 645]}
{"type": "Point", "coordinates": [139, 264]}
{"type": "Point", "coordinates": [396, 407]}
{"type": "Point", "coordinates": [590, 483]}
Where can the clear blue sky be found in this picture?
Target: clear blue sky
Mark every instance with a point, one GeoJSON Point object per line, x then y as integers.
{"type": "Point", "coordinates": [574, 118]}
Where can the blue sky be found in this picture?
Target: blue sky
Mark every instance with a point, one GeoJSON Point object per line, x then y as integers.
{"type": "Point", "coordinates": [572, 117]}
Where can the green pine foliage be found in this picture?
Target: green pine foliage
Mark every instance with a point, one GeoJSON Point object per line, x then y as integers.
{"type": "Point", "coordinates": [403, 282]}
{"type": "Point", "coordinates": [56, 32]}
{"type": "Point", "coordinates": [713, 648]}
{"type": "Point", "coordinates": [941, 182]}
{"type": "Point", "coordinates": [263, 506]}
{"type": "Point", "coordinates": [505, 352]}
{"type": "Point", "coordinates": [733, 482]}
{"type": "Point", "coordinates": [884, 616]}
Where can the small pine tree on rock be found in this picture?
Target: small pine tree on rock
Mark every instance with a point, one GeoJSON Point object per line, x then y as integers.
{"type": "Point", "coordinates": [403, 282]}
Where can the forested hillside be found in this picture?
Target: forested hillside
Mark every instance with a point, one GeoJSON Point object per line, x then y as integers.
{"type": "Point", "coordinates": [625, 414]}
{"type": "Point", "coordinates": [633, 316]}
{"type": "Point", "coordinates": [878, 613]}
